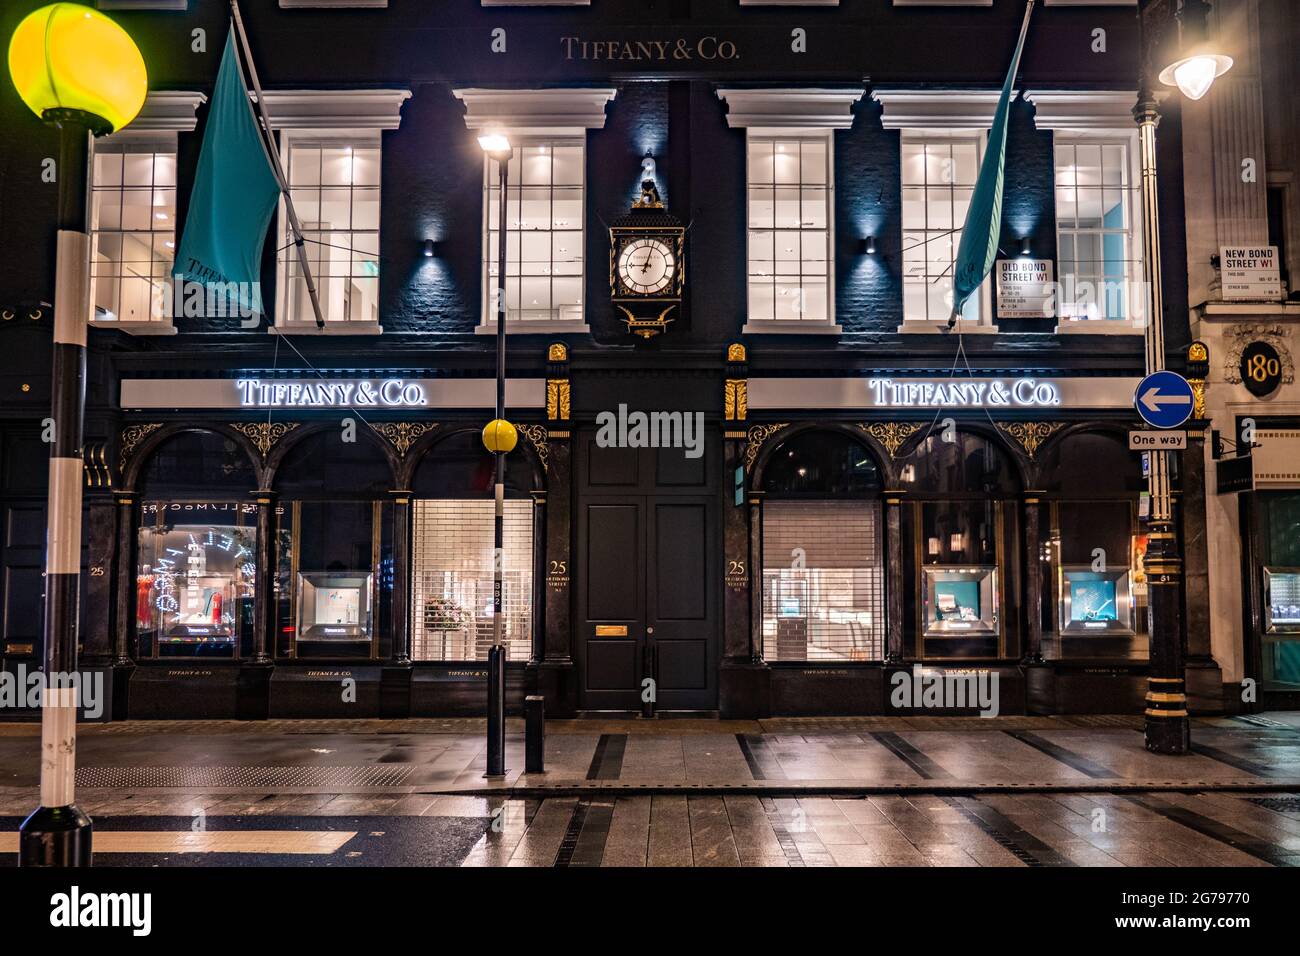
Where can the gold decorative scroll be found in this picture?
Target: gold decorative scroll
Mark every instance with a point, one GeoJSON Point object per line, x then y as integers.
{"type": "Point", "coordinates": [132, 435]}
{"type": "Point", "coordinates": [557, 399]}
{"type": "Point", "coordinates": [536, 435]}
{"type": "Point", "coordinates": [756, 436]}
{"type": "Point", "coordinates": [891, 435]}
{"type": "Point", "coordinates": [95, 462]}
{"type": "Point", "coordinates": [1030, 435]}
{"type": "Point", "coordinates": [557, 352]}
{"type": "Point", "coordinates": [736, 399]}
{"type": "Point", "coordinates": [735, 352]}
{"type": "Point", "coordinates": [264, 435]}
{"type": "Point", "coordinates": [404, 434]}
{"type": "Point", "coordinates": [1198, 397]}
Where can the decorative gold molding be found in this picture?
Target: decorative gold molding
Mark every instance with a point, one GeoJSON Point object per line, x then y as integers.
{"type": "Point", "coordinates": [1198, 397]}
{"type": "Point", "coordinates": [891, 435]}
{"type": "Point", "coordinates": [557, 399]}
{"type": "Point", "coordinates": [557, 352]}
{"type": "Point", "coordinates": [132, 435]}
{"type": "Point", "coordinates": [735, 399]}
{"type": "Point", "coordinates": [264, 435]}
{"type": "Point", "coordinates": [536, 435]}
{"type": "Point", "coordinates": [404, 434]}
{"type": "Point", "coordinates": [756, 436]}
{"type": "Point", "coordinates": [735, 352]}
{"type": "Point", "coordinates": [1030, 435]}
{"type": "Point", "coordinates": [95, 462]}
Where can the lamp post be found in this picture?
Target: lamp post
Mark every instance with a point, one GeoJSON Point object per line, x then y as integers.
{"type": "Point", "coordinates": [1167, 726]}
{"type": "Point", "coordinates": [499, 437]}
{"type": "Point", "coordinates": [80, 72]}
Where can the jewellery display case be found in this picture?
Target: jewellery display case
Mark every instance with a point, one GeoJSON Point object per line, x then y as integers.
{"type": "Point", "coordinates": [960, 601]}
{"type": "Point", "coordinates": [334, 607]}
{"type": "Point", "coordinates": [1095, 601]}
{"type": "Point", "coordinates": [1281, 600]}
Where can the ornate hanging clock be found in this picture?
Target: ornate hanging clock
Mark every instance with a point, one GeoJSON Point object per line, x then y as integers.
{"type": "Point", "coordinates": [647, 261]}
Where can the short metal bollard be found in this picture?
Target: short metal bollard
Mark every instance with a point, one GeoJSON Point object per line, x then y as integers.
{"type": "Point", "coordinates": [496, 711]}
{"type": "Point", "coordinates": [534, 734]}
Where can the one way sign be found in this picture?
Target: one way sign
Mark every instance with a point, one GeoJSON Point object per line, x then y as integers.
{"type": "Point", "coordinates": [1164, 399]}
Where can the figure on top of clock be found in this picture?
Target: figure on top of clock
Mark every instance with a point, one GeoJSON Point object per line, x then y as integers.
{"type": "Point", "coordinates": [647, 260]}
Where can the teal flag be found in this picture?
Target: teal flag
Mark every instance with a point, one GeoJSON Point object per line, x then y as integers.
{"type": "Point", "coordinates": [234, 196]}
{"type": "Point", "coordinates": [979, 235]}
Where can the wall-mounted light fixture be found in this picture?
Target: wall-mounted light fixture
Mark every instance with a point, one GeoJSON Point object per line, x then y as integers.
{"type": "Point", "coordinates": [1024, 247]}
{"type": "Point", "coordinates": [430, 248]}
{"type": "Point", "coordinates": [869, 246]}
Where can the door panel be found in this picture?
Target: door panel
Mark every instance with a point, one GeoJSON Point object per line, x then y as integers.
{"type": "Point", "coordinates": [610, 595]}
{"type": "Point", "coordinates": [681, 618]}
{"type": "Point", "coordinates": [648, 577]}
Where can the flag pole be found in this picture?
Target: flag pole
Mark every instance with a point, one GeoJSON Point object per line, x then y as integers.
{"type": "Point", "coordinates": [1008, 85]}
{"type": "Point", "coordinates": [295, 226]}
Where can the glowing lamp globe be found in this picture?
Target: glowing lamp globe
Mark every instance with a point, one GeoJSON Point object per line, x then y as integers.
{"type": "Point", "coordinates": [1194, 75]}
{"type": "Point", "coordinates": [499, 436]}
{"type": "Point", "coordinates": [69, 62]}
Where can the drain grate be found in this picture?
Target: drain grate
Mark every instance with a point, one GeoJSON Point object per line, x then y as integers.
{"type": "Point", "coordinates": [385, 775]}
{"type": "Point", "coordinates": [1278, 804]}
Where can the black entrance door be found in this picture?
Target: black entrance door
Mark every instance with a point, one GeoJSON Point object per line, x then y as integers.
{"type": "Point", "coordinates": [647, 578]}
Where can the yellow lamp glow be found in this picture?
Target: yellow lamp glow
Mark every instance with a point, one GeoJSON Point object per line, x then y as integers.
{"type": "Point", "coordinates": [66, 59]}
{"type": "Point", "coordinates": [499, 436]}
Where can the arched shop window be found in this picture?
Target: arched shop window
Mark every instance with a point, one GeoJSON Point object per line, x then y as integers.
{"type": "Point", "coordinates": [962, 531]}
{"type": "Point", "coordinates": [823, 566]}
{"type": "Point", "coordinates": [1092, 549]}
{"type": "Point", "coordinates": [334, 548]}
{"type": "Point", "coordinates": [451, 553]}
{"type": "Point", "coordinates": [196, 551]}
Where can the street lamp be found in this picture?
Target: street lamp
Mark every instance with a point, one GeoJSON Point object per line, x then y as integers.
{"type": "Point", "coordinates": [1167, 726]}
{"type": "Point", "coordinates": [79, 71]}
{"type": "Point", "coordinates": [1196, 72]}
{"type": "Point", "coordinates": [499, 438]}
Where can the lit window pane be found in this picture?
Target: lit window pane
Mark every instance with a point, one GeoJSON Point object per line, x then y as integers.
{"type": "Point", "coordinates": [761, 170]}
{"type": "Point", "coordinates": [108, 169]}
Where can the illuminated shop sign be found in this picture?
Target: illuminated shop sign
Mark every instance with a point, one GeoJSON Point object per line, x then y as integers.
{"type": "Point", "coordinates": [956, 393]}
{"type": "Point", "coordinates": [964, 393]}
{"type": "Point", "coordinates": [389, 393]}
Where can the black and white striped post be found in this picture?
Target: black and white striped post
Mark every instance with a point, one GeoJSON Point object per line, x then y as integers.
{"type": "Point", "coordinates": [80, 72]}
{"type": "Point", "coordinates": [57, 833]}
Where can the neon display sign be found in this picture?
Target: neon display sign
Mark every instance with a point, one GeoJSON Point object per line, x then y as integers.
{"type": "Point", "coordinates": [386, 393]}
{"type": "Point", "coordinates": [964, 393]}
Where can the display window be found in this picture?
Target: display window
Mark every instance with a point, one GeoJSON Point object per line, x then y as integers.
{"type": "Point", "coordinates": [334, 549]}
{"type": "Point", "coordinates": [823, 570]}
{"type": "Point", "coordinates": [195, 549]}
{"type": "Point", "coordinates": [963, 542]}
{"type": "Point", "coordinates": [194, 582]}
{"type": "Point", "coordinates": [1278, 536]}
{"type": "Point", "coordinates": [1093, 551]}
{"type": "Point", "coordinates": [452, 577]}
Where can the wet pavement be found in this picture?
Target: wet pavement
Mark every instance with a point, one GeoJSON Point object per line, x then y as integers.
{"type": "Point", "coordinates": [1014, 791]}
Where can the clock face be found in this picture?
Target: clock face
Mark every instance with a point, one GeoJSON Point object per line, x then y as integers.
{"type": "Point", "coordinates": [646, 266]}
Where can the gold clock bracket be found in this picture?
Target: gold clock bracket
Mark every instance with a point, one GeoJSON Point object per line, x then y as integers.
{"type": "Point", "coordinates": [647, 328]}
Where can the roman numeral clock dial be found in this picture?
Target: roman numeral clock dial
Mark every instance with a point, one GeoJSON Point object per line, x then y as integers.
{"type": "Point", "coordinates": [646, 266]}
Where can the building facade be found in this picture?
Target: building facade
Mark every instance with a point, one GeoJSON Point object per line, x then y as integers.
{"type": "Point", "coordinates": [754, 468]}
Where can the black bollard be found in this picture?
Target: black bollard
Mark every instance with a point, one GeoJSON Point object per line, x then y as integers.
{"type": "Point", "coordinates": [534, 734]}
{"type": "Point", "coordinates": [496, 715]}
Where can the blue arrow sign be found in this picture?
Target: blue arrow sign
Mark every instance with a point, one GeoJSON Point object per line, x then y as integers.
{"type": "Point", "coordinates": [1164, 399]}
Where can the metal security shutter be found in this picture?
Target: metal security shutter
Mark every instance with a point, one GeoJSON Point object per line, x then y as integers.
{"type": "Point", "coordinates": [451, 562]}
{"type": "Point", "coordinates": [828, 603]}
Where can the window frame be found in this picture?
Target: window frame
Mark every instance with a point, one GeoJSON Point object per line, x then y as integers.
{"type": "Point", "coordinates": [984, 320]}
{"type": "Point", "coordinates": [1134, 248]}
{"type": "Point", "coordinates": [487, 312]}
{"type": "Point", "coordinates": [283, 320]}
{"type": "Point", "coordinates": [827, 325]}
